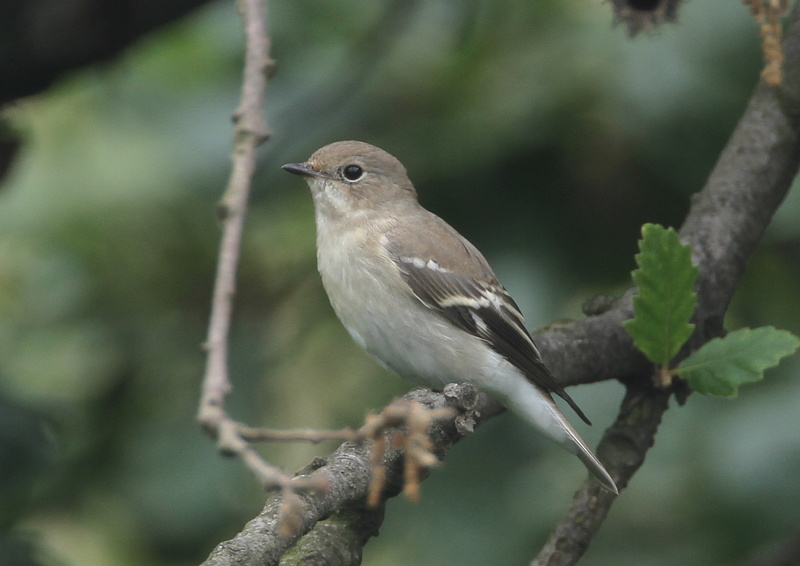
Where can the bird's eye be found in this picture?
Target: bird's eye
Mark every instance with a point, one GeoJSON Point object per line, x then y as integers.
{"type": "Point", "coordinates": [352, 172]}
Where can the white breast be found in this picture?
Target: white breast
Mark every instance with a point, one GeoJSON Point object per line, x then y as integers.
{"type": "Point", "coordinates": [384, 317]}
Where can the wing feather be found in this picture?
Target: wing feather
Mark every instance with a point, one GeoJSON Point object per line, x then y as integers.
{"type": "Point", "coordinates": [484, 309]}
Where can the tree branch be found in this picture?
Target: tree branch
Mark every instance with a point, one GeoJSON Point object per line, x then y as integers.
{"type": "Point", "coordinates": [249, 133]}
{"type": "Point", "coordinates": [347, 474]}
{"type": "Point", "coordinates": [725, 223]}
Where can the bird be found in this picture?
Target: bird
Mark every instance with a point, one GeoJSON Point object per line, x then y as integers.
{"type": "Point", "coordinates": [419, 298]}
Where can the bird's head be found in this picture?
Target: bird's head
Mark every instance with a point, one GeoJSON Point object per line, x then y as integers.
{"type": "Point", "coordinates": [350, 176]}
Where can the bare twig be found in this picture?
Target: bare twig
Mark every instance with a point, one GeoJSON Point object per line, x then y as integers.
{"type": "Point", "coordinates": [249, 133]}
{"type": "Point", "coordinates": [297, 435]}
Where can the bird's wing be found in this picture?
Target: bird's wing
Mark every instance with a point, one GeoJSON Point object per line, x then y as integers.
{"type": "Point", "coordinates": [467, 293]}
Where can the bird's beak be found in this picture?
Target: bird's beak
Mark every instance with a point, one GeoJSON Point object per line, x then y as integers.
{"type": "Point", "coordinates": [302, 169]}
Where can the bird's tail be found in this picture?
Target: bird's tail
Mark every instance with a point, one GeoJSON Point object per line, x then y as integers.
{"type": "Point", "coordinates": [589, 460]}
{"type": "Point", "coordinates": [537, 407]}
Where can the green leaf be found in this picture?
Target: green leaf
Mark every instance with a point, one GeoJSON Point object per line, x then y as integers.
{"type": "Point", "coordinates": [666, 299]}
{"type": "Point", "coordinates": [723, 364]}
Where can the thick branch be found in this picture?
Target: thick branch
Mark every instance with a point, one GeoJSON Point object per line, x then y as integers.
{"type": "Point", "coordinates": [347, 475]}
{"type": "Point", "coordinates": [725, 223]}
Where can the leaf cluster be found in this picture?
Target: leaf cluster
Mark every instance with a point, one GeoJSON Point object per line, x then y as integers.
{"type": "Point", "coordinates": [662, 324]}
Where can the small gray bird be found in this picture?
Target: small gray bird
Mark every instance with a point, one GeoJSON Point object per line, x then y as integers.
{"type": "Point", "coordinates": [421, 299]}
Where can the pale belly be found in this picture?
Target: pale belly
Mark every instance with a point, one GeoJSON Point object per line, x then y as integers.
{"type": "Point", "coordinates": [403, 335]}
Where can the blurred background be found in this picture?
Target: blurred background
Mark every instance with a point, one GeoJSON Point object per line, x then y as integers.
{"type": "Point", "coordinates": [541, 131]}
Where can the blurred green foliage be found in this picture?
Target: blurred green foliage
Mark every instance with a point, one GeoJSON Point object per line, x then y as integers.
{"type": "Point", "coordinates": [540, 131]}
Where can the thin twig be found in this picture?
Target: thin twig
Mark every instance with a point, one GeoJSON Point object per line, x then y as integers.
{"type": "Point", "coordinates": [249, 133]}
{"type": "Point", "coordinates": [297, 434]}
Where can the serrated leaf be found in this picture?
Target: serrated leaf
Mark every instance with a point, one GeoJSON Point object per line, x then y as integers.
{"type": "Point", "coordinates": [723, 364]}
{"type": "Point", "coordinates": [665, 303]}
